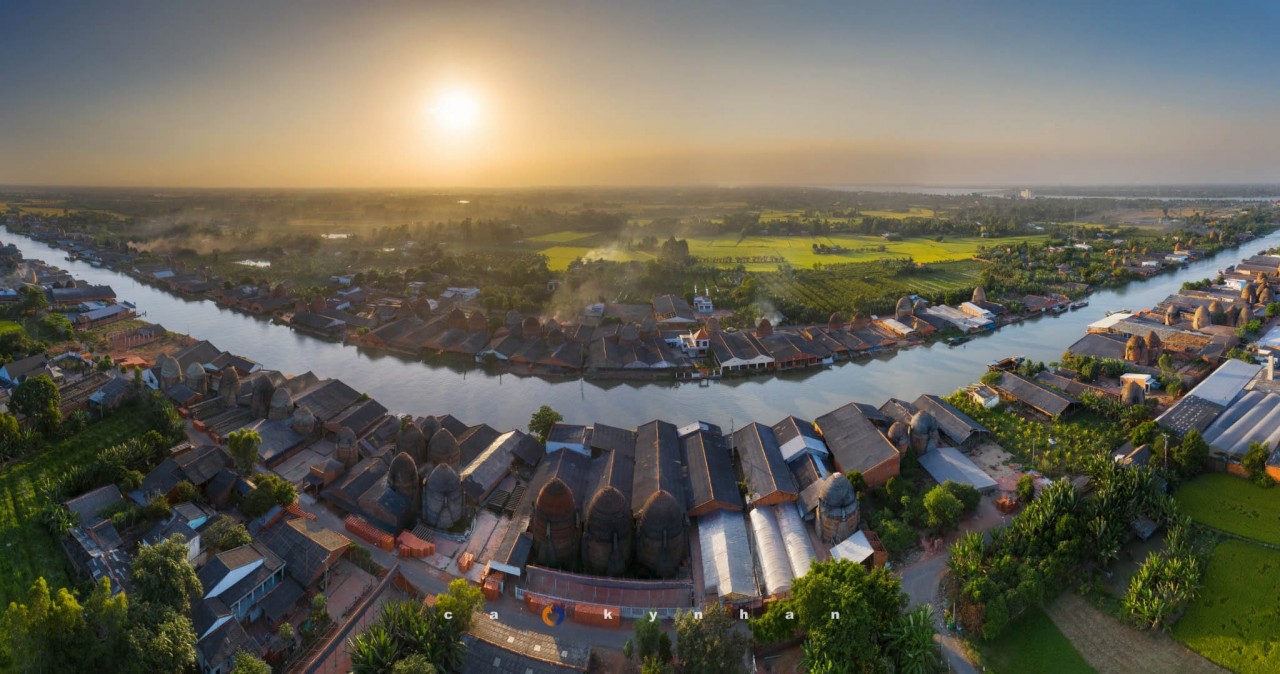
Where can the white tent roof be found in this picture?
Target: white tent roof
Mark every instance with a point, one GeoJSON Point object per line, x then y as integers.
{"type": "Point", "coordinates": [774, 565]}
{"type": "Point", "coordinates": [726, 556]}
{"type": "Point", "coordinates": [855, 548]}
{"type": "Point", "coordinates": [1226, 382]}
{"type": "Point", "coordinates": [799, 547]}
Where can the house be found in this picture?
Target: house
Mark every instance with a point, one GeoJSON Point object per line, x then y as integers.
{"type": "Point", "coordinates": [796, 436]}
{"type": "Point", "coordinates": [672, 310]}
{"type": "Point", "coordinates": [702, 304]}
{"type": "Point", "coordinates": [68, 298]}
{"type": "Point", "coordinates": [1146, 381]}
{"type": "Point", "coordinates": [19, 371]}
{"type": "Point", "coordinates": [738, 351]}
{"type": "Point", "coordinates": [216, 652]}
{"type": "Point", "coordinates": [984, 395]}
{"type": "Point", "coordinates": [308, 549]}
{"type": "Point", "coordinates": [1043, 400]}
{"type": "Point", "coordinates": [87, 506]}
{"type": "Point", "coordinates": [857, 445]}
{"type": "Point", "coordinates": [239, 578]}
{"type": "Point", "coordinates": [99, 317]}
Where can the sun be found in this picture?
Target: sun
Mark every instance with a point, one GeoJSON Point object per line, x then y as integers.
{"type": "Point", "coordinates": [456, 111]}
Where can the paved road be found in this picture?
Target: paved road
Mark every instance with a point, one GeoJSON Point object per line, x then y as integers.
{"type": "Point", "coordinates": [921, 580]}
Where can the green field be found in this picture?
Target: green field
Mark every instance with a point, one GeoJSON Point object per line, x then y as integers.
{"type": "Point", "coordinates": [765, 253]}
{"type": "Point", "coordinates": [7, 327]}
{"type": "Point", "coordinates": [29, 550]}
{"type": "Point", "coordinates": [1034, 644]}
{"type": "Point", "coordinates": [1236, 619]}
{"type": "Point", "coordinates": [1234, 505]}
{"type": "Point", "coordinates": [839, 289]}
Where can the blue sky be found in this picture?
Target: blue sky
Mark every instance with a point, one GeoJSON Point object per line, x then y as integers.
{"type": "Point", "coordinates": [341, 94]}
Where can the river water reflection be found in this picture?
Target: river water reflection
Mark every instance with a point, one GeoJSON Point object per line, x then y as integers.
{"type": "Point", "coordinates": [506, 401]}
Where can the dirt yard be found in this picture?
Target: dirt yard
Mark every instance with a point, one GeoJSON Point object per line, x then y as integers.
{"type": "Point", "coordinates": [1111, 646]}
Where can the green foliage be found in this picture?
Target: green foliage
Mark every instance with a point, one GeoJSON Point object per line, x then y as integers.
{"type": "Point", "coordinates": [1191, 454]}
{"type": "Point", "coordinates": [943, 508]}
{"type": "Point", "coordinates": [968, 494]}
{"type": "Point", "coordinates": [186, 492]}
{"type": "Point", "coordinates": [911, 643]}
{"type": "Point", "coordinates": [991, 377]}
{"type": "Point", "coordinates": [53, 632]}
{"type": "Point", "coordinates": [712, 644]}
{"type": "Point", "coordinates": [862, 635]}
{"type": "Point", "coordinates": [1036, 646]}
{"type": "Point", "coordinates": [1255, 462]}
{"type": "Point", "coordinates": [243, 446]}
{"type": "Point", "coordinates": [269, 490]}
{"type": "Point", "coordinates": [1273, 309]}
{"type": "Point", "coordinates": [541, 422]}
{"type": "Point", "coordinates": [160, 640]}
{"type": "Point", "coordinates": [896, 535]}
{"type": "Point", "coordinates": [414, 663]}
{"type": "Point", "coordinates": [38, 398]}
{"type": "Point", "coordinates": [1026, 489]}
{"type": "Point", "coordinates": [156, 509]}
{"type": "Point", "coordinates": [1144, 433]}
{"type": "Point", "coordinates": [462, 600]}
{"type": "Point", "coordinates": [162, 576]}
{"type": "Point", "coordinates": [1166, 582]}
{"type": "Point", "coordinates": [225, 534]}
{"type": "Point", "coordinates": [649, 640]}
{"type": "Point", "coordinates": [1057, 536]}
{"type": "Point", "coordinates": [408, 628]}
{"type": "Point", "coordinates": [248, 663]}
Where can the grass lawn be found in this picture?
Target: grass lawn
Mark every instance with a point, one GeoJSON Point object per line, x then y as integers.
{"type": "Point", "coordinates": [1032, 644]}
{"type": "Point", "coordinates": [1233, 504]}
{"type": "Point", "coordinates": [29, 550]}
{"type": "Point", "coordinates": [1234, 621]}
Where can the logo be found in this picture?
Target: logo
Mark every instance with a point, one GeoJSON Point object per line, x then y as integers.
{"type": "Point", "coordinates": [553, 616]}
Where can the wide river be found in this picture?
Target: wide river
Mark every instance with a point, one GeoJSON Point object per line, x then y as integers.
{"type": "Point", "coordinates": [506, 401]}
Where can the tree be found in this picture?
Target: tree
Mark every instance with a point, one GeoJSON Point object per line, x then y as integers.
{"type": "Point", "coordinates": [162, 575]}
{"type": "Point", "coordinates": [867, 604]}
{"type": "Point", "coordinates": [1026, 489]}
{"type": "Point", "coordinates": [38, 398]}
{"type": "Point", "coordinates": [225, 533]}
{"type": "Point", "coordinates": [41, 631]}
{"type": "Point", "coordinates": [248, 663]}
{"type": "Point", "coordinates": [943, 508]}
{"type": "Point", "coordinates": [160, 640]}
{"type": "Point", "coordinates": [269, 490]}
{"type": "Point", "coordinates": [462, 599]}
{"type": "Point", "coordinates": [911, 643]}
{"type": "Point", "coordinates": [285, 632]}
{"type": "Point", "coordinates": [1144, 433]}
{"type": "Point", "coordinates": [713, 644]}
{"type": "Point", "coordinates": [1191, 454]}
{"type": "Point", "coordinates": [243, 446]}
{"type": "Point", "coordinates": [9, 431]}
{"type": "Point", "coordinates": [1255, 461]}
{"type": "Point", "coordinates": [541, 422]}
{"type": "Point", "coordinates": [651, 641]}
{"type": "Point", "coordinates": [34, 301]}
{"type": "Point", "coordinates": [967, 493]}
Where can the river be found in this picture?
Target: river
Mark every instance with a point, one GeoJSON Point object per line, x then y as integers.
{"type": "Point", "coordinates": [506, 401]}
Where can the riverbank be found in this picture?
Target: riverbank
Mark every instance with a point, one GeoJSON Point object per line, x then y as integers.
{"type": "Point", "coordinates": [503, 400]}
{"type": "Point", "coordinates": [671, 357]}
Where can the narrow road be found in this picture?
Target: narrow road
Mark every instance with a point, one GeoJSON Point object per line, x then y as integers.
{"type": "Point", "coordinates": [922, 580]}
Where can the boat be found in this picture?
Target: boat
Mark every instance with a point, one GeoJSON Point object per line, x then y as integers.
{"type": "Point", "coordinates": [1058, 308]}
{"type": "Point", "coordinates": [1118, 311]}
{"type": "Point", "coordinates": [1079, 305]}
{"type": "Point", "coordinates": [957, 341]}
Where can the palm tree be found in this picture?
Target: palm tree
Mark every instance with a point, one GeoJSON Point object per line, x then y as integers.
{"type": "Point", "coordinates": [911, 642]}
{"type": "Point", "coordinates": [373, 651]}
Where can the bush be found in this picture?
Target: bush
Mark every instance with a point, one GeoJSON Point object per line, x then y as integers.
{"type": "Point", "coordinates": [1026, 489]}
{"type": "Point", "coordinates": [157, 509]}
{"type": "Point", "coordinates": [968, 494]}
{"type": "Point", "coordinates": [943, 508]}
{"type": "Point", "coordinates": [896, 536]}
{"type": "Point", "coordinates": [269, 490]}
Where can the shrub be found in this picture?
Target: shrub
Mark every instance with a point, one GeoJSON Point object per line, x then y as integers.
{"type": "Point", "coordinates": [968, 494]}
{"type": "Point", "coordinates": [1026, 489]}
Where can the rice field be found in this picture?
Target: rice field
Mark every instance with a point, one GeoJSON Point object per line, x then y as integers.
{"type": "Point", "coordinates": [29, 550]}
{"type": "Point", "coordinates": [1234, 621]}
{"type": "Point", "coordinates": [1234, 505]}
{"type": "Point", "coordinates": [840, 288]}
{"type": "Point", "coordinates": [1036, 645]}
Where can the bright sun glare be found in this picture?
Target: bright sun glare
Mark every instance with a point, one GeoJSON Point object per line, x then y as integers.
{"type": "Point", "coordinates": [456, 111]}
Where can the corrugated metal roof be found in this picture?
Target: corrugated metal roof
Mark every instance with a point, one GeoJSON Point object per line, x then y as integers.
{"type": "Point", "coordinates": [727, 569]}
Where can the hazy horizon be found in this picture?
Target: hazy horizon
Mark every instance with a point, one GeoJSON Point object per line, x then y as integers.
{"type": "Point", "coordinates": [447, 95]}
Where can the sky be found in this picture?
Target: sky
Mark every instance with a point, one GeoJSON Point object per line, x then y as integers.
{"type": "Point", "coordinates": [357, 94]}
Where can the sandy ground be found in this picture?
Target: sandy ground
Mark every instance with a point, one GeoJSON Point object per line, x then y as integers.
{"type": "Point", "coordinates": [997, 463]}
{"type": "Point", "coordinates": [1111, 646]}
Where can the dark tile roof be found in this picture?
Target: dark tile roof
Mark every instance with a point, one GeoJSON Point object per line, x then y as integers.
{"type": "Point", "coordinates": [762, 462]}
{"type": "Point", "coordinates": [898, 410]}
{"type": "Point", "coordinates": [609, 438]}
{"type": "Point", "coordinates": [1099, 345]}
{"type": "Point", "coordinates": [452, 424]}
{"type": "Point", "coordinates": [87, 505]}
{"type": "Point", "coordinates": [328, 399]}
{"type": "Point", "coordinates": [571, 468]}
{"type": "Point", "coordinates": [711, 482]}
{"type": "Point", "coordinates": [281, 599]}
{"type": "Point", "coordinates": [474, 440]}
{"type": "Point", "coordinates": [202, 352]}
{"type": "Point", "coordinates": [569, 434]}
{"type": "Point", "coordinates": [657, 466]}
{"type": "Point", "coordinates": [1027, 392]}
{"type": "Point", "coordinates": [200, 464]}
{"type": "Point", "coordinates": [205, 613]}
{"type": "Point", "coordinates": [361, 417]}
{"type": "Point", "coordinates": [793, 427]}
{"type": "Point", "coordinates": [162, 479]}
{"type": "Point", "coordinates": [305, 548]}
{"type": "Point", "coordinates": [956, 425]}
{"type": "Point", "coordinates": [1192, 412]}
{"type": "Point", "coordinates": [220, 648]}
{"type": "Point", "coordinates": [25, 366]}
{"type": "Point", "coordinates": [853, 440]}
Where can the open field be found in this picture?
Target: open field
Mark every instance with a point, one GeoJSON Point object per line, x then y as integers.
{"type": "Point", "coordinates": [29, 549]}
{"type": "Point", "coordinates": [838, 289]}
{"type": "Point", "coordinates": [1111, 647]}
{"type": "Point", "coordinates": [1033, 645]}
{"type": "Point", "coordinates": [1234, 505]}
{"type": "Point", "coordinates": [1234, 621]}
{"type": "Point", "coordinates": [760, 253]}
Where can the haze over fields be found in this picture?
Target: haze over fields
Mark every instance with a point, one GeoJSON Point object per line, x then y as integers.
{"type": "Point", "coordinates": [505, 94]}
